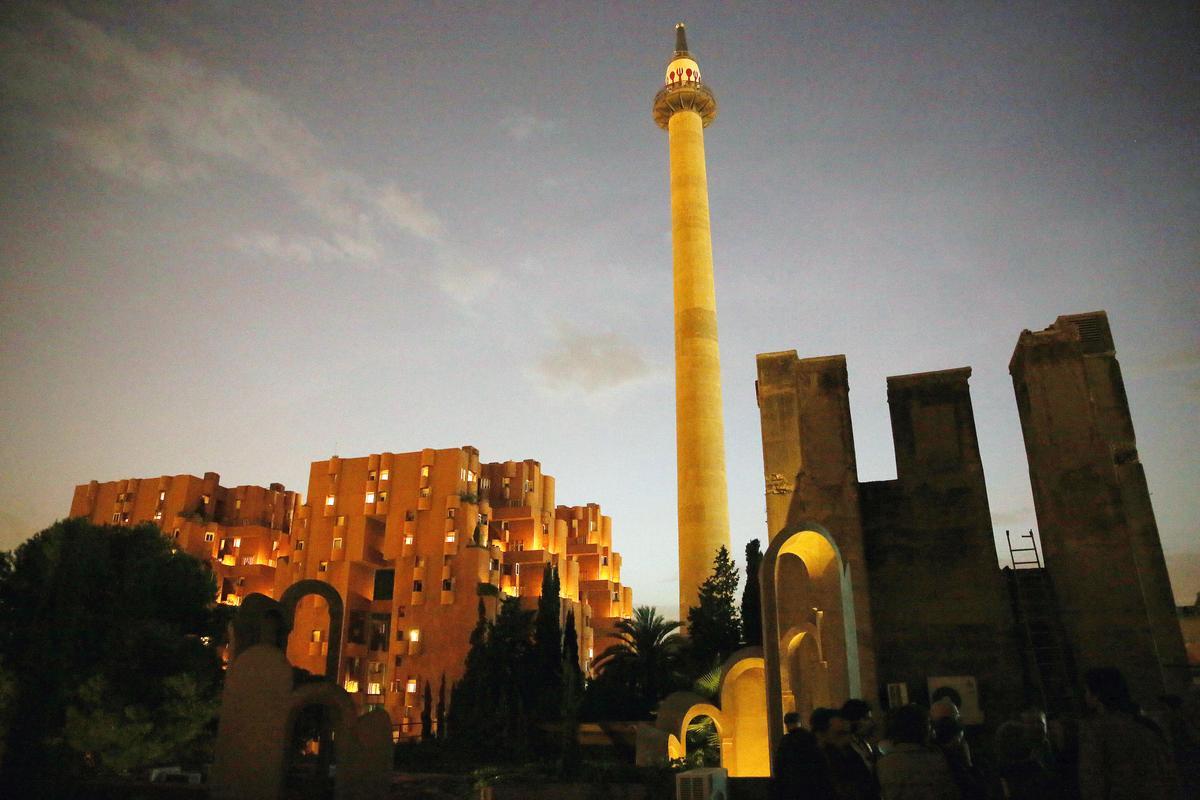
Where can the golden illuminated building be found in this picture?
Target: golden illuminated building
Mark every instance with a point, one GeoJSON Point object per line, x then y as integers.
{"type": "Point", "coordinates": [684, 107]}
{"type": "Point", "coordinates": [411, 541]}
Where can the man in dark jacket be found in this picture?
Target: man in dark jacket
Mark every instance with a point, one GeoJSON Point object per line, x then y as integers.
{"type": "Point", "coordinates": [801, 772]}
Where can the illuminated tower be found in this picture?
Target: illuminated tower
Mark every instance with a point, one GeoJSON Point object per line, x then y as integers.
{"type": "Point", "coordinates": [684, 107]}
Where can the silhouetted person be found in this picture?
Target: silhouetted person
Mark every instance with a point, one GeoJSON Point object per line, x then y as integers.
{"type": "Point", "coordinates": [862, 731]}
{"type": "Point", "coordinates": [800, 770]}
{"type": "Point", "coordinates": [1022, 773]}
{"type": "Point", "coordinates": [1122, 754]}
{"type": "Point", "coordinates": [912, 769]}
{"type": "Point", "coordinates": [949, 737]}
{"type": "Point", "coordinates": [852, 779]}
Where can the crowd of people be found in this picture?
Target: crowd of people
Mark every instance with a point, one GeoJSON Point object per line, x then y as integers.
{"type": "Point", "coordinates": [1112, 751]}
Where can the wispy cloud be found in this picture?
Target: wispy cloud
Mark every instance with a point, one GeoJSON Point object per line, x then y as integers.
{"type": "Point", "coordinates": [590, 362]}
{"type": "Point", "coordinates": [154, 117]}
{"type": "Point", "coordinates": [522, 125]}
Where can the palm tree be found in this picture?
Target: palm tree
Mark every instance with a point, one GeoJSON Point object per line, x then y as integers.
{"type": "Point", "coordinates": [647, 652]}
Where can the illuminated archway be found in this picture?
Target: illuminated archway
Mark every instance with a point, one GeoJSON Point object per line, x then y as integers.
{"type": "Point", "coordinates": [808, 625]}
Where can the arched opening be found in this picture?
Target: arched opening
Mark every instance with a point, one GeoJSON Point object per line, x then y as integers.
{"type": "Point", "coordinates": [702, 743]}
{"type": "Point", "coordinates": [743, 695]}
{"type": "Point", "coordinates": [311, 766]}
{"type": "Point", "coordinates": [308, 645]}
{"type": "Point", "coordinates": [809, 630]}
{"type": "Point", "coordinates": [291, 601]}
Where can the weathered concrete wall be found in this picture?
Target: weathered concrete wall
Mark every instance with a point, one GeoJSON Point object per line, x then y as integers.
{"type": "Point", "coordinates": [939, 603]}
{"type": "Point", "coordinates": [811, 474]}
{"type": "Point", "coordinates": [1093, 507]}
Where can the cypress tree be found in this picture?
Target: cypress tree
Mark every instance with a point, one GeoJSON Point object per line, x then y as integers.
{"type": "Point", "coordinates": [547, 648]}
{"type": "Point", "coordinates": [441, 709]}
{"type": "Point", "coordinates": [714, 628]}
{"type": "Point", "coordinates": [427, 714]}
{"type": "Point", "coordinates": [752, 597]}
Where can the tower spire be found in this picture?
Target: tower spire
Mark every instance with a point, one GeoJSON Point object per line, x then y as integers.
{"type": "Point", "coordinates": [680, 40]}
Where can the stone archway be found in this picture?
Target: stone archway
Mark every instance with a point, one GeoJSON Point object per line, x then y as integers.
{"type": "Point", "coordinates": [809, 631]}
{"type": "Point", "coordinates": [301, 589]}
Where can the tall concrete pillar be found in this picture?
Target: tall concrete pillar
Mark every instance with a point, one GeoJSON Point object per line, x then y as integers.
{"type": "Point", "coordinates": [684, 107]}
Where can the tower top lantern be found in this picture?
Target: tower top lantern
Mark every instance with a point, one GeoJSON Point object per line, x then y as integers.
{"type": "Point", "coordinates": [683, 87]}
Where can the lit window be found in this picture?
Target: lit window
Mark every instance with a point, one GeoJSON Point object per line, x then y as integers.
{"type": "Point", "coordinates": [374, 688]}
{"type": "Point", "coordinates": [408, 539]}
{"type": "Point", "coordinates": [411, 686]}
{"type": "Point", "coordinates": [371, 475]}
{"type": "Point", "coordinates": [158, 515]}
{"type": "Point", "coordinates": [162, 496]}
{"type": "Point", "coordinates": [210, 536]}
{"type": "Point", "coordinates": [425, 472]}
{"type": "Point", "coordinates": [117, 517]}
{"type": "Point", "coordinates": [351, 685]}
{"type": "Point", "coordinates": [370, 497]}
{"type": "Point", "coordinates": [237, 541]}
{"type": "Point", "coordinates": [341, 520]}
{"type": "Point", "coordinates": [383, 497]}
{"type": "Point", "coordinates": [223, 543]}
{"type": "Point", "coordinates": [470, 476]}
{"type": "Point", "coordinates": [329, 499]}
{"type": "Point", "coordinates": [237, 503]}
{"type": "Point", "coordinates": [383, 476]}
{"type": "Point", "coordinates": [450, 512]}
{"type": "Point", "coordinates": [450, 536]}
{"type": "Point", "coordinates": [323, 566]}
{"type": "Point", "coordinates": [425, 492]}
{"type": "Point", "coordinates": [337, 543]}
{"type": "Point", "coordinates": [414, 635]}
{"type": "Point", "coordinates": [462, 474]}
{"type": "Point", "coordinates": [316, 635]}
{"type": "Point", "coordinates": [300, 545]}
{"type": "Point", "coordinates": [247, 561]}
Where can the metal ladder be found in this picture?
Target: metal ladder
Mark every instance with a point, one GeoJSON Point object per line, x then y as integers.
{"type": "Point", "coordinates": [1044, 640]}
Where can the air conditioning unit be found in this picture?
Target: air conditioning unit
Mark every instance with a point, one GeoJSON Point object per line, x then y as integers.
{"type": "Point", "coordinates": [702, 784]}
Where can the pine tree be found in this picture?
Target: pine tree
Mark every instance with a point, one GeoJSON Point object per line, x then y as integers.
{"type": "Point", "coordinates": [472, 699]}
{"type": "Point", "coordinates": [714, 628]}
{"type": "Point", "coordinates": [752, 597]}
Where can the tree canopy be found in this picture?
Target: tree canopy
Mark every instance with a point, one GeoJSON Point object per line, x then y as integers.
{"type": "Point", "coordinates": [642, 667]}
{"type": "Point", "coordinates": [109, 638]}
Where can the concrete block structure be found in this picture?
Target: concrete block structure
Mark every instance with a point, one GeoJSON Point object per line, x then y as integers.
{"type": "Point", "coordinates": [1095, 518]}
{"type": "Point", "coordinates": [412, 542]}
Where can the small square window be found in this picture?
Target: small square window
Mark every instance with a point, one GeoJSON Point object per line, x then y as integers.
{"type": "Point", "coordinates": [414, 635]}
{"type": "Point", "coordinates": [237, 503]}
{"type": "Point", "coordinates": [383, 497]}
{"type": "Point", "coordinates": [330, 499]}
{"type": "Point", "coordinates": [370, 497]}
{"type": "Point", "coordinates": [117, 517]}
{"type": "Point", "coordinates": [425, 471]}
{"type": "Point", "coordinates": [408, 539]}
{"type": "Point", "coordinates": [323, 566]}
{"type": "Point", "coordinates": [411, 686]}
{"type": "Point", "coordinates": [341, 520]}
{"type": "Point", "coordinates": [317, 634]}
{"type": "Point", "coordinates": [237, 541]}
{"type": "Point", "coordinates": [448, 585]}
{"type": "Point", "coordinates": [399, 634]}
{"type": "Point", "coordinates": [410, 515]}
{"type": "Point", "coordinates": [372, 475]}
{"type": "Point", "coordinates": [470, 476]}
{"type": "Point", "coordinates": [158, 514]}
{"type": "Point", "coordinates": [400, 611]}
{"type": "Point", "coordinates": [425, 492]}
{"type": "Point", "coordinates": [210, 536]}
{"type": "Point", "coordinates": [418, 587]}
{"type": "Point", "coordinates": [383, 476]}
{"type": "Point", "coordinates": [450, 512]}
{"type": "Point", "coordinates": [162, 496]}
{"type": "Point", "coordinates": [451, 536]}
{"type": "Point", "coordinates": [300, 545]}
{"type": "Point", "coordinates": [337, 543]}
{"type": "Point", "coordinates": [247, 561]}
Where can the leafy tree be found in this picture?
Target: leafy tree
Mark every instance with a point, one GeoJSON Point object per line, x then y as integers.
{"type": "Point", "coordinates": [714, 628]}
{"type": "Point", "coordinates": [547, 647]}
{"type": "Point", "coordinates": [644, 662]}
{"type": "Point", "coordinates": [105, 628]}
{"type": "Point", "coordinates": [752, 597]}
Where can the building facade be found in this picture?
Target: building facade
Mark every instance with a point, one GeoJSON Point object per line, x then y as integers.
{"type": "Point", "coordinates": [412, 542]}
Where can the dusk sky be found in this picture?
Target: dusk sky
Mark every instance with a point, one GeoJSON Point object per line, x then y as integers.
{"type": "Point", "coordinates": [241, 237]}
